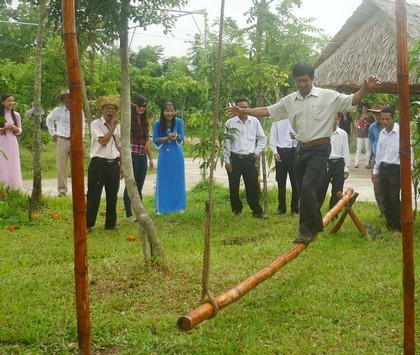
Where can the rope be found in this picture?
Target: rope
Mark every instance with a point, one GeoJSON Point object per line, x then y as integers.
{"type": "Point", "coordinates": [209, 204]}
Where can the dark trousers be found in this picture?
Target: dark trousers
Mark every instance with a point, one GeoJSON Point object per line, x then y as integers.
{"type": "Point", "coordinates": [102, 172]}
{"type": "Point", "coordinates": [310, 165]}
{"type": "Point", "coordinates": [140, 171]}
{"type": "Point", "coordinates": [389, 178]}
{"type": "Point", "coordinates": [246, 168]}
{"type": "Point", "coordinates": [379, 196]}
{"type": "Point", "coordinates": [284, 167]}
{"type": "Point", "coordinates": [334, 175]}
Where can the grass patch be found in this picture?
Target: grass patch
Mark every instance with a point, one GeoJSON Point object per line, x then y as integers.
{"type": "Point", "coordinates": [342, 295]}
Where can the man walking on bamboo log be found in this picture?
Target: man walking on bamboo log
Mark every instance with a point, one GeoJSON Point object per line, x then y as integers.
{"type": "Point", "coordinates": [241, 154]}
{"type": "Point", "coordinates": [311, 112]}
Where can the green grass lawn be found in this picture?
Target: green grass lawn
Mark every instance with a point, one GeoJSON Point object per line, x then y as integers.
{"type": "Point", "coordinates": [342, 295]}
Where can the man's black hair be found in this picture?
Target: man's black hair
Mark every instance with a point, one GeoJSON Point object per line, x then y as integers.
{"type": "Point", "coordinates": [301, 69]}
{"type": "Point", "coordinates": [242, 99]}
{"type": "Point", "coordinates": [389, 109]}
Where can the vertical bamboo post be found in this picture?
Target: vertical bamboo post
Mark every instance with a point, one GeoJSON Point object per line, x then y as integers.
{"type": "Point", "coordinates": [78, 186]}
{"type": "Point", "coordinates": [405, 161]}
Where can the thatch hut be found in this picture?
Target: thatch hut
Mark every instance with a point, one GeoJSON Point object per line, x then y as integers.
{"type": "Point", "coordinates": [365, 45]}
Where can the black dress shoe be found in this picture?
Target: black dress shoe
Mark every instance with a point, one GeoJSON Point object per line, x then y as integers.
{"type": "Point", "coordinates": [304, 239]}
{"type": "Point", "coordinates": [295, 213]}
{"type": "Point", "coordinates": [259, 215]}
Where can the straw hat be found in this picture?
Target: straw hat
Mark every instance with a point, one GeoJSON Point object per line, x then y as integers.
{"type": "Point", "coordinates": [377, 107]}
{"type": "Point", "coordinates": [63, 93]}
{"type": "Point", "coordinates": [108, 100]}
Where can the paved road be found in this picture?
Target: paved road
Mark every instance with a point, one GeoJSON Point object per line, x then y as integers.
{"type": "Point", "coordinates": [359, 180]}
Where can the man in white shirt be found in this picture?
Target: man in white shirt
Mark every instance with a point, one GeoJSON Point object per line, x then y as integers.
{"type": "Point", "coordinates": [338, 165]}
{"type": "Point", "coordinates": [387, 167]}
{"type": "Point", "coordinates": [283, 145]}
{"type": "Point", "coordinates": [104, 166]}
{"type": "Point", "coordinates": [241, 153]}
{"type": "Point", "coordinates": [311, 112]}
{"type": "Point", "coordinates": [373, 134]}
{"type": "Point", "coordinates": [58, 124]}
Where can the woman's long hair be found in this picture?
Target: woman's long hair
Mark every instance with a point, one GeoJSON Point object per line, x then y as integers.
{"type": "Point", "coordinates": [139, 129]}
{"type": "Point", "coordinates": [162, 122]}
{"type": "Point", "coordinates": [2, 110]}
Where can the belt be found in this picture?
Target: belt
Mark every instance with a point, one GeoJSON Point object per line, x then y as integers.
{"type": "Point", "coordinates": [335, 160]}
{"type": "Point", "coordinates": [387, 165]}
{"type": "Point", "coordinates": [293, 148]}
{"type": "Point", "coordinates": [241, 156]}
{"type": "Point", "coordinates": [66, 138]}
{"type": "Point", "coordinates": [107, 161]}
{"type": "Point", "coordinates": [314, 142]}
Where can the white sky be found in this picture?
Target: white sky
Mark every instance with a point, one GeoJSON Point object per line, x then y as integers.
{"type": "Point", "coordinates": [330, 15]}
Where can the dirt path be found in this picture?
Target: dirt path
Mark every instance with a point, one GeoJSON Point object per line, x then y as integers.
{"type": "Point", "coordinates": [359, 180]}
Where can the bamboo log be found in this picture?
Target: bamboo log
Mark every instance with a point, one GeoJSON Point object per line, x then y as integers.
{"type": "Point", "coordinates": [78, 186]}
{"type": "Point", "coordinates": [409, 341]}
{"type": "Point", "coordinates": [205, 310]}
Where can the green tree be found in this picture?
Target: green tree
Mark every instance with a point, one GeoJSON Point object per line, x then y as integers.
{"type": "Point", "coordinates": [18, 36]}
{"type": "Point", "coordinates": [114, 18]}
{"type": "Point", "coordinates": [147, 56]}
{"type": "Point", "coordinates": [37, 112]}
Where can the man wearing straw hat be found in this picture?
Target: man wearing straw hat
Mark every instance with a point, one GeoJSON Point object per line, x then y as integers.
{"type": "Point", "coordinates": [58, 123]}
{"type": "Point", "coordinates": [104, 166]}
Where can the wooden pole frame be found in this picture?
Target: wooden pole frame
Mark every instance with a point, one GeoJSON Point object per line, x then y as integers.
{"type": "Point", "coordinates": [77, 173]}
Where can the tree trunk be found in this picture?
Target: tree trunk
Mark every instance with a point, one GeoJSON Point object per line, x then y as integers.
{"type": "Point", "coordinates": [152, 248]}
{"type": "Point", "coordinates": [261, 95]}
{"type": "Point", "coordinates": [37, 115]}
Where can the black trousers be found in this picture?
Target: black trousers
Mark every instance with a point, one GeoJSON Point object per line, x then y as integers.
{"type": "Point", "coordinates": [379, 196]}
{"type": "Point", "coordinates": [102, 172]}
{"type": "Point", "coordinates": [389, 178]}
{"type": "Point", "coordinates": [310, 165]}
{"type": "Point", "coordinates": [334, 175]}
{"type": "Point", "coordinates": [284, 167]}
{"type": "Point", "coordinates": [246, 168]}
{"type": "Point", "coordinates": [140, 172]}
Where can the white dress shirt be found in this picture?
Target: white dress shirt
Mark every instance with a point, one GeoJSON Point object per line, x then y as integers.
{"type": "Point", "coordinates": [340, 147]}
{"type": "Point", "coordinates": [98, 129]}
{"type": "Point", "coordinates": [280, 135]}
{"type": "Point", "coordinates": [312, 117]}
{"type": "Point", "coordinates": [58, 122]}
{"type": "Point", "coordinates": [248, 139]}
{"type": "Point", "coordinates": [388, 148]}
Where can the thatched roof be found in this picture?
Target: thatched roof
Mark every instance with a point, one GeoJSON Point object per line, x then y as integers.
{"type": "Point", "coordinates": [365, 45]}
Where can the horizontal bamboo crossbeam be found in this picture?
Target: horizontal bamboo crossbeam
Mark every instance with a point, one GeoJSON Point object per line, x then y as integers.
{"type": "Point", "coordinates": [205, 310]}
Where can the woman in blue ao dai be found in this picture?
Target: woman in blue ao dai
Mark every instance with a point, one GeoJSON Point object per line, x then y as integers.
{"type": "Point", "coordinates": [168, 135]}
